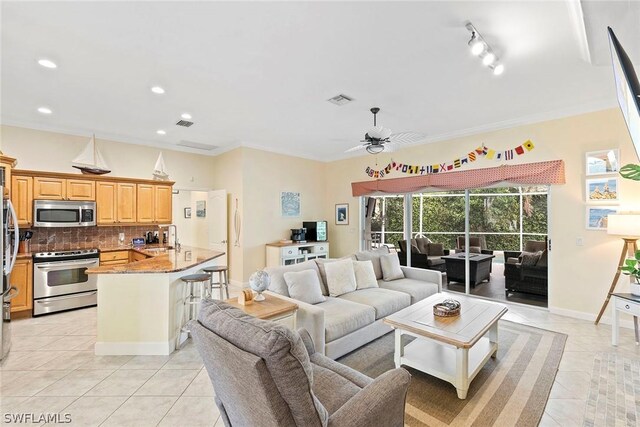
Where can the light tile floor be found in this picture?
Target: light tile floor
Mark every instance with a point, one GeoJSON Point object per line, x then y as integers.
{"type": "Point", "coordinates": [52, 369]}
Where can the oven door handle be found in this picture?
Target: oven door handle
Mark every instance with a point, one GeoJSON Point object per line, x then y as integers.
{"type": "Point", "coordinates": [64, 265]}
{"type": "Point", "coordinates": [56, 299]}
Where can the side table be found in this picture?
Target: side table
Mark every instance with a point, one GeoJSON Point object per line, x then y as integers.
{"type": "Point", "coordinates": [272, 308]}
{"type": "Point", "coordinates": [627, 303]}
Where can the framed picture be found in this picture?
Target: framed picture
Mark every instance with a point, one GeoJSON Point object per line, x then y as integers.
{"type": "Point", "coordinates": [602, 189]}
{"type": "Point", "coordinates": [201, 208]}
{"type": "Point", "coordinates": [290, 204]}
{"type": "Point", "coordinates": [603, 162]}
{"type": "Point", "coordinates": [187, 212]}
{"type": "Point", "coordinates": [597, 216]}
{"type": "Point", "coordinates": [342, 214]}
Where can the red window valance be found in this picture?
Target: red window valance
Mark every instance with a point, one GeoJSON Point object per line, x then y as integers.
{"type": "Point", "coordinates": [540, 173]}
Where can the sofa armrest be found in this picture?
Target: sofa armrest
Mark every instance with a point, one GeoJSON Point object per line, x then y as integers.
{"type": "Point", "coordinates": [310, 318]}
{"type": "Point", "coordinates": [380, 403]}
{"type": "Point", "coordinates": [431, 276]}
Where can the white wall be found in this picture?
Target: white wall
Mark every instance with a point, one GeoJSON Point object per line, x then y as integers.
{"type": "Point", "coordinates": [192, 231]}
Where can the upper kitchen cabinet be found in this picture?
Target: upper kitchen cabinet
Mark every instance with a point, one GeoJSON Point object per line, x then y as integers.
{"type": "Point", "coordinates": [146, 203]}
{"type": "Point", "coordinates": [49, 188]}
{"type": "Point", "coordinates": [7, 163]}
{"type": "Point", "coordinates": [22, 199]}
{"type": "Point", "coordinates": [126, 202]}
{"type": "Point", "coordinates": [106, 203]}
{"type": "Point", "coordinates": [81, 189]}
{"type": "Point", "coordinates": [163, 204]}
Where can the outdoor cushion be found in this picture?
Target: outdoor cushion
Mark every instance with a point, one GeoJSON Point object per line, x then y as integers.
{"type": "Point", "coordinates": [278, 284]}
{"type": "Point", "coordinates": [435, 260]}
{"type": "Point", "coordinates": [529, 259]}
{"type": "Point", "coordinates": [418, 289]}
{"type": "Point", "coordinates": [384, 301]}
{"type": "Point", "coordinates": [542, 262]}
{"type": "Point", "coordinates": [391, 267]}
{"type": "Point", "coordinates": [436, 249]}
{"type": "Point", "coordinates": [342, 317]}
{"type": "Point", "coordinates": [365, 276]}
{"type": "Point", "coordinates": [341, 277]}
{"type": "Point", "coordinates": [304, 286]}
{"type": "Point", "coordinates": [423, 245]}
{"type": "Point", "coordinates": [374, 256]}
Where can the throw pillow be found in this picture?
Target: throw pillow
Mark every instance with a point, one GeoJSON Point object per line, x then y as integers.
{"type": "Point", "coordinates": [374, 256]}
{"type": "Point", "coordinates": [341, 278]}
{"type": "Point", "coordinates": [365, 276]}
{"type": "Point", "coordinates": [542, 262]}
{"type": "Point", "coordinates": [529, 259]}
{"type": "Point", "coordinates": [391, 267]}
{"type": "Point", "coordinates": [414, 248]}
{"type": "Point", "coordinates": [304, 286]}
{"type": "Point", "coordinates": [323, 273]}
{"type": "Point", "coordinates": [436, 249]}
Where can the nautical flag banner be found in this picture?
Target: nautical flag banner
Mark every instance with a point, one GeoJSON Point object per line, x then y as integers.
{"type": "Point", "coordinates": [472, 156]}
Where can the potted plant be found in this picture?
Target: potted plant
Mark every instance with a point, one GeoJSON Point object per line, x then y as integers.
{"type": "Point", "coordinates": [631, 268]}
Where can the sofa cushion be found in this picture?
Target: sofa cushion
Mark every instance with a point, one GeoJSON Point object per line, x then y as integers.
{"type": "Point", "coordinates": [304, 286]}
{"type": "Point", "coordinates": [384, 301]}
{"type": "Point", "coordinates": [417, 289]}
{"type": "Point", "coordinates": [278, 284]}
{"type": "Point", "coordinates": [390, 264]}
{"type": "Point", "coordinates": [341, 277]}
{"type": "Point", "coordinates": [341, 317]}
{"type": "Point", "coordinates": [374, 256]}
{"type": "Point", "coordinates": [365, 276]}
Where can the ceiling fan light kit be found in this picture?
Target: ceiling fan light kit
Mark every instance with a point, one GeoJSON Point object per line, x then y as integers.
{"type": "Point", "coordinates": [480, 48]}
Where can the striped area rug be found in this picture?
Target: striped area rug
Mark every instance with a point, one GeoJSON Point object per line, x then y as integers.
{"type": "Point", "coordinates": [511, 390]}
{"type": "Point", "coordinates": [614, 395]}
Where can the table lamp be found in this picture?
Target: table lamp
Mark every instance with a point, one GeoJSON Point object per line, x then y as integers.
{"type": "Point", "coordinates": [626, 226]}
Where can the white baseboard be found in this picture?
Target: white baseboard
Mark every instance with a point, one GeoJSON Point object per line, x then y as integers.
{"type": "Point", "coordinates": [134, 348]}
{"type": "Point", "coordinates": [590, 317]}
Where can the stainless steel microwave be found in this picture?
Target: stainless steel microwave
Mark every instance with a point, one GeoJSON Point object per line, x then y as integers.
{"type": "Point", "coordinates": [58, 213]}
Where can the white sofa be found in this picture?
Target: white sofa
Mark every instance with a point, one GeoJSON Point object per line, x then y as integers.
{"type": "Point", "coordinates": [341, 324]}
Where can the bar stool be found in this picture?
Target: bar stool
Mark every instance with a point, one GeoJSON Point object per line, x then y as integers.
{"type": "Point", "coordinates": [194, 291]}
{"type": "Point", "coordinates": [223, 280]}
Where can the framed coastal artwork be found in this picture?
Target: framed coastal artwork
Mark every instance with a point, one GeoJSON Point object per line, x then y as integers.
{"type": "Point", "coordinates": [597, 216]}
{"type": "Point", "coordinates": [290, 204]}
{"type": "Point", "coordinates": [603, 189]}
{"type": "Point", "coordinates": [342, 214]}
{"type": "Point", "coordinates": [602, 162]}
{"type": "Point", "coordinates": [201, 208]}
{"type": "Point", "coordinates": [187, 213]}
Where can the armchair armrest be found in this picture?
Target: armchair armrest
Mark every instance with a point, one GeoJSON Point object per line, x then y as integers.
{"type": "Point", "coordinates": [431, 276]}
{"type": "Point", "coordinates": [380, 403]}
{"type": "Point", "coordinates": [511, 254]}
{"type": "Point", "coordinates": [310, 318]}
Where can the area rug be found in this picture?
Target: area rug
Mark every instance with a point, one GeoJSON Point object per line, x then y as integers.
{"type": "Point", "coordinates": [614, 394]}
{"type": "Point", "coordinates": [511, 390]}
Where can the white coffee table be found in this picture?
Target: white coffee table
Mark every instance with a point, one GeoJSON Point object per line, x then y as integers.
{"type": "Point", "coordinates": [453, 349]}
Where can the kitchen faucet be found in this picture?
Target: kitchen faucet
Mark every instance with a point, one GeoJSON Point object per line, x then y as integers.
{"type": "Point", "coordinates": [176, 242]}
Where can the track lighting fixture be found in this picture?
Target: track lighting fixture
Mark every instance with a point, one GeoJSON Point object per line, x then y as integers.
{"type": "Point", "coordinates": [480, 48]}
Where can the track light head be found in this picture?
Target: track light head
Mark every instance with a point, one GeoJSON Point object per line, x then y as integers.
{"type": "Point", "coordinates": [476, 44]}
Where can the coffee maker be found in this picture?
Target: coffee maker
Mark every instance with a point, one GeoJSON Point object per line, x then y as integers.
{"type": "Point", "coordinates": [298, 234]}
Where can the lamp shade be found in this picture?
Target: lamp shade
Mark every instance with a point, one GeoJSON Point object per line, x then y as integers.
{"type": "Point", "coordinates": [627, 225]}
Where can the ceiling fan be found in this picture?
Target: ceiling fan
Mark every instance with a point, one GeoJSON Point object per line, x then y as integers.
{"type": "Point", "coordinates": [379, 138]}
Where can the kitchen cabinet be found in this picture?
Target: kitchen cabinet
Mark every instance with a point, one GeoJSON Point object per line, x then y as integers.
{"type": "Point", "coordinates": [81, 189]}
{"type": "Point", "coordinates": [127, 205]}
{"type": "Point", "coordinates": [146, 203]}
{"type": "Point", "coordinates": [22, 199]}
{"type": "Point", "coordinates": [49, 188]}
{"type": "Point", "coordinates": [106, 203]}
{"type": "Point", "coordinates": [163, 204]}
{"type": "Point", "coordinates": [278, 254]}
{"type": "Point", "coordinates": [114, 257]}
{"type": "Point", "coordinates": [22, 279]}
{"type": "Point", "coordinates": [7, 163]}
{"type": "Point", "coordinates": [136, 256]}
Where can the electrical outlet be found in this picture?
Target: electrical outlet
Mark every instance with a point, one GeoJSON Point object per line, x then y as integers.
{"type": "Point", "coordinates": [579, 241]}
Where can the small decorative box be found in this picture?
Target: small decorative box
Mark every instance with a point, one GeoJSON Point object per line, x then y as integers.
{"type": "Point", "coordinates": [447, 308]}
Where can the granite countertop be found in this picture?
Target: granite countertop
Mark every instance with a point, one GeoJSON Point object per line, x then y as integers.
{"type": "Point", "coordinates": [161, 260]}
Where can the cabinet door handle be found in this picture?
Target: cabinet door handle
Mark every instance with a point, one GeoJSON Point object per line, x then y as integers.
{"type": "Point", "coordinates": [627, 306]}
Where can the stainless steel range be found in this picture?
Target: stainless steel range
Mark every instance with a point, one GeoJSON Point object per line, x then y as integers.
{"type": "Point", "coordinates": [60, 281]}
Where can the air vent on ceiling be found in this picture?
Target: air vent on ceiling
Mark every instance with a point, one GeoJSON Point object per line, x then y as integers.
{"type": "Point", "coordinates": [197, 145]}
{"type": "Point", "coordinates": [340, 100]}
{"type": "Point", "coordinates": [185, 123]}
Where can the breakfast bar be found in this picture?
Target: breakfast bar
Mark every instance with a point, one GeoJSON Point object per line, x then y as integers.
{"type": "Point", "coordinates": [139, 303]}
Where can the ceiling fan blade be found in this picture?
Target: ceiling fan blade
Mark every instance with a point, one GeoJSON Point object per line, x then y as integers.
{"type": "Point", "coordinates": [356, 148]}
{"type": "Point", "coordinates": [389, 147]}
{"type": "Point", "coordinates": [407, 138]}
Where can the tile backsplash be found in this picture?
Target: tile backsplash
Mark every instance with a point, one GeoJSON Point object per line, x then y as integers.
{"type": "Point", "coordinates": [67, 238]}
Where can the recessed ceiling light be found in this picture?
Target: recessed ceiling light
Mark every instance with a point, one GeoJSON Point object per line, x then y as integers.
{"type": "Point", "coordinates": [157, 89]}
{"type": "Point", "coordinates": [186, 116]}
{"type": "Point", "coordinates": [44, 110]}
{"type": "Point", "coordinates": [161, 132]}
{"type": "Point", "coordinates": [47, 63]}
{"type": "Point", "coordinates": [499, 69]}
